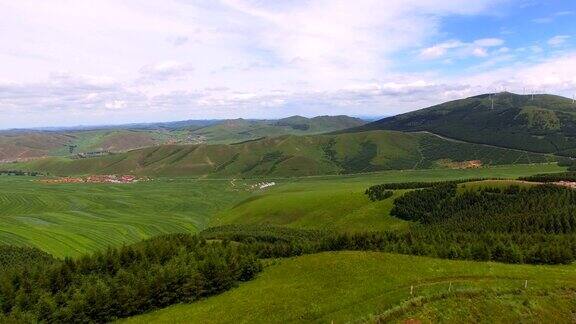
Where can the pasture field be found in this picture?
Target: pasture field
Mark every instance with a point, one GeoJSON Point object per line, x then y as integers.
{"type": "Point", "coordinates": [339, 202]}
{"type": "Point", "coordinates": [366, 286]}
{"type": "Point", "coordinates": [71, 219]}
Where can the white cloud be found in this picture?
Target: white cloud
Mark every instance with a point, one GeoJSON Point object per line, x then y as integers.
{"type": "Point", "coordinates": [489, 42]}
{"type": "Point", "coordinates": [479, 52]}
{"type": "Point", "coordinates": [440, 50]}
{"type": "Point", "coordinates": [458, 49]}
{"type": "Point", "coordinates": [553, 17]}
{"type": "Point", "coordinates": [558, 40]}
{"type": "Point", "coordinates": [122, 61]}
{"type": "Point", "coordinates": [166, 70]}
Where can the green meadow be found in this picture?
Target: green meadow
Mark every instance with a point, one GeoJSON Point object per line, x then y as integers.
{"type": "Point", "coordinates": [343, 287]}
{"type": "Point", "coordinates": [72, 219]}
{"type": "Point", "coordinates": [339, 202]}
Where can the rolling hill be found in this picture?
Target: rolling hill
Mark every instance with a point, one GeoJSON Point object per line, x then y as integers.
{"type": "Point", "coordinates": [288, 156]}
{"type": "Point", "coordinates": [539, 123]}
{"type": "Point", "coordinates": [20, 145]}
{"type": "Point", "coordinates": [374, 287]}
{"type": "Point", "coordinates": [238, 130]}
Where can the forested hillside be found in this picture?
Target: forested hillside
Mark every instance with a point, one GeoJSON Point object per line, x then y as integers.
{"type": "Point", "coordinates": [539, 123]}
{"type": "Point", "coordinates": [293, 156]}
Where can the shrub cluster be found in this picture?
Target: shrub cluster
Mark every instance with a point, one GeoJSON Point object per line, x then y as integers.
{"type": "Point", "coordinates": [379, 192]}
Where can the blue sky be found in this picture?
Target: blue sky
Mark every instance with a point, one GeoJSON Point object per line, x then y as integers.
{"type": "Point", "coordinates": [65, 62]}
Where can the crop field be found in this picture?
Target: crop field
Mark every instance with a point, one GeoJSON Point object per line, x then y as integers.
{"type": "Point", "coordinates": [71, 219]}
{"type": "Point", "coordinates": [68, 219]}
{"type": "Point", "coordinates": [367, 286]}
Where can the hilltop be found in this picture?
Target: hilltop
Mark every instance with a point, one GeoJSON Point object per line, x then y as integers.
{"type": "Point", "coordinates": [540, 123]}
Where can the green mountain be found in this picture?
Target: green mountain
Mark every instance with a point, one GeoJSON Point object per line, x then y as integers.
{"type": "Point", "coordinates": [238, 130]}
{"type": "Point", "coordinates": [291, 155]}
{"type": "Point", "coordinates": [28, 144]}
{"type": "Point", "coordinates": [539, 123]}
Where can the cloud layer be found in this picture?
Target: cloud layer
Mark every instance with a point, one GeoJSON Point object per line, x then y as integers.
{"type": "Point", "coordinates": [74, 62]}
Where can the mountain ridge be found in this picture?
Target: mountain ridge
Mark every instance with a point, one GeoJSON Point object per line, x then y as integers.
{"type": "Point", "coordinates": [539, 123]}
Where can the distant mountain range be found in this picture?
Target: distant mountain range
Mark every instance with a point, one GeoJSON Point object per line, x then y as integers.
{"type": "Point", "coordinates": [483, 130]}
{"type": "Point", "coordinates": [18, 145]}
{"type": "Point", "coordinates": [291, 155]}
{"type": "Point", "coordinates": [539, 123]}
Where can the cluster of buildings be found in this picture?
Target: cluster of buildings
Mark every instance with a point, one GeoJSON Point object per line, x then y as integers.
{"type": "Point", "coordinates": [109, 178]}
{"type": "Point", "coordinates": [262, 185]}
{"type": "Point", "coordinates": [568, 184]}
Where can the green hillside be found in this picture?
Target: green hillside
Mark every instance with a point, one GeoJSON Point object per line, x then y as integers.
{"type": "Point", "coordinates": [26, 144]}
{"type": "Point", "coordinates": [543, 123]}
{"type": "Point", "coordinates": [72, 219]}
{"type": "Point", "coordinates": [367, 286]}
{"type": "Point", "coordinates": [289, 156]}
{"type": "Point", "coordinates": [238, 130]}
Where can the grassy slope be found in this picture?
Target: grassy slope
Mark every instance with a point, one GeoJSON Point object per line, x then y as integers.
{"type": "Point", "coordinates": [238, 130]}
{"type": "Point", "coordinates": [26, 144]}
{"type": "Point", "coordinates": [288, 156]}
{"type": "Point", "coordinates": [347, 286]}
{"type": "Point", "coordinates": [544, 124]}
{"type": "Point", "coordinates": [338, 202]}
{"type": "Point", "coordinates": [70, 219]}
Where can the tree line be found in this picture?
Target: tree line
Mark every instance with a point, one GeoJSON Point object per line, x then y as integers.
{"type": "Point", "coordinates": [20, 173]}
{"type": "Point", "coordinates": [552, 177]}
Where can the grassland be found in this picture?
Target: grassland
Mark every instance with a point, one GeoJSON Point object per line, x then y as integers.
{"type": "Point", "coordinates": [70, 219]}
{"type": "Point", "coordinates": [338, 202]}
{"type": "Point", "coordinates": [364, 286]}
{"type": "Point", "coordinates": [290, 156]}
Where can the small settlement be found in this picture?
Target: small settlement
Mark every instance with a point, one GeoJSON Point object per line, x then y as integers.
{"type": "Point", "coordinates": [108, 178]}
{"type": "Point", "coordinates": [262, 185]}
{"type": "Point", "coordinates": [568, 184]}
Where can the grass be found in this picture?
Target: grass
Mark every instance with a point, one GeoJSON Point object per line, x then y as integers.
{"type": "Point", "coordinates": [339, 202]}
{"type": "Point", "coordinates": [289, 156]}
{"type": "Point", "coordinates": [362, 286]}
{"type": "Point", "coordinates": [71, 219]}
{"type": "Point", "coordinates": [514, 307]}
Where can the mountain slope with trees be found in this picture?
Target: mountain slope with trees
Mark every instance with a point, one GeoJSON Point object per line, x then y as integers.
{"type": "Point", "coordinates": [539, 123]}
{"type": "Point", "coordinates": [292, 156]}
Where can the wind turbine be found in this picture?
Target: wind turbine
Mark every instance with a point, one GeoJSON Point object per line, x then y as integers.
{"type": "Point", "coordinates": [492, 99]}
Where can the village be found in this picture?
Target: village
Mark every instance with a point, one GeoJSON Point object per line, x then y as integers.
{"type": "Point", "coordinates": [108, 178]}
{"type": "Point", "coordinates": [262, 185]}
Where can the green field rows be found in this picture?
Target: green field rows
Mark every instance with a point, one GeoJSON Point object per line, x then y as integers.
{"type": "Point", "coordinates": [70, 219]}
